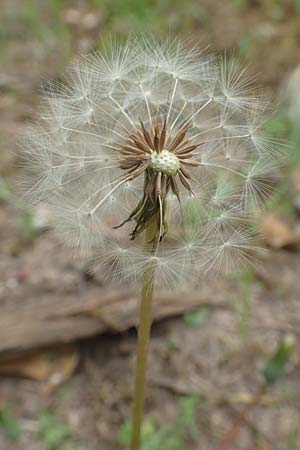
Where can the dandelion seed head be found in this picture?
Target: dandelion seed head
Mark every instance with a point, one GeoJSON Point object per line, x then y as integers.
{"type": "Point", "coordinates": [148, 130]}
{"type": "Point", "coordinates": [164, 162]}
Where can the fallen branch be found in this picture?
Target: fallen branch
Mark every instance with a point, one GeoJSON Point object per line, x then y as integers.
{"type": "Point", "coordinates": [44, 322]}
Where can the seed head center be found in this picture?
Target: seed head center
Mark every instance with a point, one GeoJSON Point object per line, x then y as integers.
{"type": "Point", "coordinates": [165, 162]}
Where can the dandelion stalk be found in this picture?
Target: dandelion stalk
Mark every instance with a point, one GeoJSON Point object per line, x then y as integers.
{"type": "Point", "coordinates": [145, 320]}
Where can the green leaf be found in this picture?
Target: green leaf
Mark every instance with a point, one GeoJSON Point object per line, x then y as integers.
{"type": "Point", "coordinates": [187, 420]}
{"type": "Point", "coordinates": [276, 365]}
{"type": "Point", "coordinates": [9, 424]}
{"type": "Point", "coordinates": [297, 6]}
{"type": "Point", "coordinates": [52, 432]}
{"type": "Point", "coordinates": [167, 437]}
{"type": "Point", "coordinates": [197, 316]}
{"type": "Point", "coordinates": [148, 431]}
{"type": "Point", "coordinates": [28, 225]}
{"type": "Point", "coordinates": [173, 442]}
{"type": "Point", "coordinates": [124, 433]}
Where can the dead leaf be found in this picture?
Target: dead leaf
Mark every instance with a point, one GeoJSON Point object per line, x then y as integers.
{"type": "Point", "coordinates": [277, 233]}
{"type": "Point", "coordinates": [53, 367]}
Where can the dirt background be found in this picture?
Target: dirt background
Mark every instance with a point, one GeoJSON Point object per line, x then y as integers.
{"type": "Point", "coordinates": [220, 359]}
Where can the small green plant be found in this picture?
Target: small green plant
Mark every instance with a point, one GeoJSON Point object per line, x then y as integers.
{"type": "Point", "coordinates": [44, 21]}
{"type": "Point", "coordinates": [187, 417]}
{"type": "Point", "coordinates": [146, 15]}
{"type": "Point", "coordinates": [28, 226]}
{"type": "Point", "coordinates": [9, 424]}
{"type": "Point", "coordinates": [275, 368]}
{"type": "Point", "coordinates": [197, 316]}
{"type": "Point", "coordinates": [297, 6]}
{"type": "Point", "coordinates": [56, 435]}
{"type": "Point", "coordinates": [246, 43]}
{"type": "Point", "coordinates": [279, 126]}
{"type": "Point", "coordinates": [167, 437]}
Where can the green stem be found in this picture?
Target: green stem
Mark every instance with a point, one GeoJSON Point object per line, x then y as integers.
{"type": "Point", "coordinates": [143, 338]}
